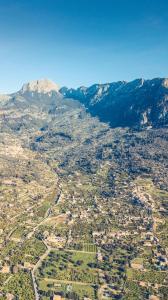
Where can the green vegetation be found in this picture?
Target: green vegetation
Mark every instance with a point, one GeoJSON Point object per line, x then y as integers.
{"type": "Point", "coordinates": [85, 247]}
{"type": "Point", "coordinates": [148, 276]}
{"type": "Point", "coordinates": [81, 291]}
{"type": "Point", "coordinates": [30, 251]}
{"type": "Point", "coordinates": [20, 285]}
{"type": "Point", "coordinates": [135, 292]}
{"type": "Point", "coordinates": [70, 266]}
{"type": "Point", "coordinates": [82, 206]}
{"type": "Point", "coordinates": [3, 278]}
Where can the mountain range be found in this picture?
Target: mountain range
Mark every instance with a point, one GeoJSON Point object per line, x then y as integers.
{"type": "Point", "coordinates": [138, 104]}
{"type": "Point", "coordinates": [84, 191]}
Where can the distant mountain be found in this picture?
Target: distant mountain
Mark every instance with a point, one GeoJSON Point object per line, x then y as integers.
{"type": "Point", "coordinates": [139, 103]}
{"type": "Point", "coordinates": [80, 200]}
{"type": "Point", "coordinates": [33, 106]}
{"type": "Point", "coordinates": [136, 104]}
{"type": "Point", "coordinates": [40, 86]}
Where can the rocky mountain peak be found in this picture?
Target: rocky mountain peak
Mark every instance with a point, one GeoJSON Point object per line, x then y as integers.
{"type": "Point", "coordinates": [40, 86]}
{"type": "Point", "coordinates": [165, 82]}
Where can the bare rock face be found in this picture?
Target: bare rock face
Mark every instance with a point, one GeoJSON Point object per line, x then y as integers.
{"type": "Point", "coordinates": [165, 83]}
{"type": "Point", "coordinates": [4, 98]}
{"type": "Point", "coordinates": [43, 93]}
{"type": "Point", "coordinates": [40, 86]}
{"type": "Point", "coordinates": [139, 103]}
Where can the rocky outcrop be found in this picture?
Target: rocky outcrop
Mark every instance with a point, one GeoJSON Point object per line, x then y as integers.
{"type": "Point", "coordinates": [139, 103]}
{"type": "Point", "coordinates": [40, 86]}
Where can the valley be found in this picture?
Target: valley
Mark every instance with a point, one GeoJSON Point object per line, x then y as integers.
{"type": "Point", "coordinates": [83, 204]}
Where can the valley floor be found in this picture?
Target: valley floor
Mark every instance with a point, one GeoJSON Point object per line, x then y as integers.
{"type": "Point", "coordinates": [83, 207]}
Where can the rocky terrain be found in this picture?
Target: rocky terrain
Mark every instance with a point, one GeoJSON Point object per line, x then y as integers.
{"type": "Point", "coordinates": [139, 103]}
{"type": "Point", "coordinates": [84, 191]}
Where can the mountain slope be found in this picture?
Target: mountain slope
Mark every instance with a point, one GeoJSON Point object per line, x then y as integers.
{"type": "Point", "coordinates": [140, 103]}
{"type": "Point", "coordinates": [82, 204]}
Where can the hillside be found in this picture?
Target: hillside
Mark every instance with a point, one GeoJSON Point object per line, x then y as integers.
{"type": "Point", "coordinates": [84, 191]}
{"type": "Point", "coordinates": [139, 103]}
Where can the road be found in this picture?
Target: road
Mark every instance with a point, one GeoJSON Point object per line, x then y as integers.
{"type": "Point", "coordinates": [35, 269]}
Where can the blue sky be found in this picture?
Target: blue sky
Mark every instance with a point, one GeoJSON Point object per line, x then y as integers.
{"type": "Point", "coordinates": [81, 42]}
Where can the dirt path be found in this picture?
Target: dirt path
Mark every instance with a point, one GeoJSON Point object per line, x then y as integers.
{"type": "Point", "coordinates": [67, 281]}
{"type": "Point", "coordinates": [35, 269]}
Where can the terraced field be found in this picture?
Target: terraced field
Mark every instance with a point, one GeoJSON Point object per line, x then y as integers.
{"type": "Point", "coordinates": [83, 206]}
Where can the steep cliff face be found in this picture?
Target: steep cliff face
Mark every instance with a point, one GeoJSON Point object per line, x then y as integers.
{"type": "Point", "coordinates": [40, 86]}
{"type": "Point", "coordinates": [136, 104]}
{"type": "Point", "coordinates": [139, 103]}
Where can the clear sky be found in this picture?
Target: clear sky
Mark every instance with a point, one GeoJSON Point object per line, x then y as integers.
{"type": "Point", "coordinates": [81, 42]}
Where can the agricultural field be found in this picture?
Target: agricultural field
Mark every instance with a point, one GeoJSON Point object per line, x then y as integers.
{"type": "Point", "coordinates": [20, 285]}
{"type": "Point", "coordinates": [83, 206]}
{"type": "Point", "coordinates": [48, 287]}
{"type": "Point", "coordinates": [69, 271]}
{"type": "Point", "coordinates": [62, 264]}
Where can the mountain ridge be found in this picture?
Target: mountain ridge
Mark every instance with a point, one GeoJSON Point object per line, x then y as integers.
{"type": "Point", "coordinates": [139, 103]}
{"type": "Point", "coordinates": [69, 181]}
